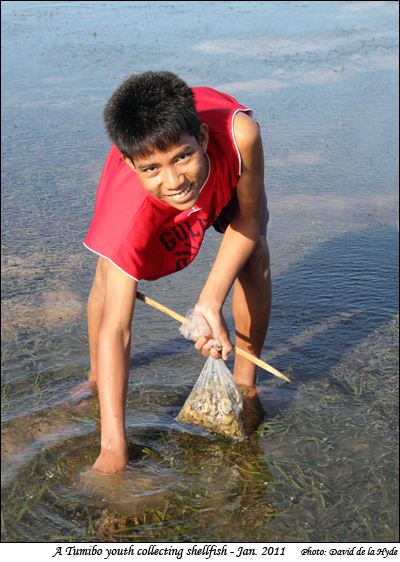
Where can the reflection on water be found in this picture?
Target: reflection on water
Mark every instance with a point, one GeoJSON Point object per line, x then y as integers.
{"type": "Point", "coordinates": [320, 462]}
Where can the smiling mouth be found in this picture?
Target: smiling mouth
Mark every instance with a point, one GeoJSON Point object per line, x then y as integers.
{"type": "Point", "coordinates": [182, 193]}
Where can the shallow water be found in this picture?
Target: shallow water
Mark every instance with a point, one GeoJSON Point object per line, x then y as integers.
{"type": "Point", "coordinates": [322, 462]}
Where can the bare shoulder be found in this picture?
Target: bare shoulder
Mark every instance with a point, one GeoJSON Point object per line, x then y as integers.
{"type": "Point", "coordinates": [248, 139]}
{"type": "Point", "coordinates": [246, 131]}
{"type": "Point", "coordinates": [114, 282]}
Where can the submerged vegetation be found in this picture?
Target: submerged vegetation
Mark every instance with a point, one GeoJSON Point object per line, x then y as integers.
{"type": "Point", "coordinates": [312, 473]}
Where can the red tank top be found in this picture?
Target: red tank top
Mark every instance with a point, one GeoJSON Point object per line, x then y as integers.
{"type": "Point", "coordinates": [146, 237]}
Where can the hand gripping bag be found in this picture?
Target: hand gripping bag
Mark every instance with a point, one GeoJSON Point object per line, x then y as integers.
{"type": "Point", "coordinates": [215, 401]}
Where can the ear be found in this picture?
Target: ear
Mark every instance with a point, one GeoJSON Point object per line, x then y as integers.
{"type": "Point", "coordinates": [204, 136]}
{"type": "Point", "coordinates": [129, 163]}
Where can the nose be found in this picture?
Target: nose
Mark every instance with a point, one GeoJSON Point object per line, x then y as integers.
{"type": "Point", "coordinates": [173, 180]}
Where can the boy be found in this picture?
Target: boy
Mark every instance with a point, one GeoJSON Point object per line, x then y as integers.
{"type": "Point", "coordinates": [182, 160]}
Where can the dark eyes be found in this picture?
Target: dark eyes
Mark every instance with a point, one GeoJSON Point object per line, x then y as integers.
{"type": "Point", "coordinates": [180, 158]}
{"type": "Point", "coordinates": [184, 156]}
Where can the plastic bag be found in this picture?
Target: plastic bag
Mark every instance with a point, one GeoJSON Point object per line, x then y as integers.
{"type": "Point", "coordinates": [195, 326]}
{"type": "Point", "coordinates": [215, 401]}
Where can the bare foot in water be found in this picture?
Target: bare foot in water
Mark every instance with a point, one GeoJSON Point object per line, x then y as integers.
{"type": "Point", "coordinates": [81, 398]}
{"type": "Point", "coordinates": [83, 391]}
{"type": "Point", "coordinates": [253, 411]}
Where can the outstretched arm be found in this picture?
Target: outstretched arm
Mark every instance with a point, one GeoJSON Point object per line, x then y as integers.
{"type": "Point", "coordinates": [240, 238]}
{"type": "Point", "coordinates": [110, 353]}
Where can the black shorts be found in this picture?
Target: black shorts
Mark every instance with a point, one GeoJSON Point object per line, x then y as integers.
{"type": "Point", "coordinates": [228, 212]}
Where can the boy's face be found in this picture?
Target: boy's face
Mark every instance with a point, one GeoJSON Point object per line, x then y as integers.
{"type": "Point", "coordinates": [177, 174]}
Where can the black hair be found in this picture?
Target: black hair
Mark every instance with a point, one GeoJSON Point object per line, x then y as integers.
{"type": "Point", "coordinates": [151, 110]}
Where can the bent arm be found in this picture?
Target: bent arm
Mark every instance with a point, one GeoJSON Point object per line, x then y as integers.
{"type": "Point", "coordinates": [113, 353]}
{"type": "Point", "coordinates": [241, 236]}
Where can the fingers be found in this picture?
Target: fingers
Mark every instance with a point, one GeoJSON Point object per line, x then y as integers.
{"type": "Point", "coordinates": [200, 342]}
{"type": "Point", "coordinates": [209, 349]}
{"type": "Point", "coordinates": [226, 348]}
{"type": "Point", "coordinates": [204, 344]}
{"type": "Point", "coordinates": [219, 345]}
{"type": "Point", "coordinates": [218, 349]}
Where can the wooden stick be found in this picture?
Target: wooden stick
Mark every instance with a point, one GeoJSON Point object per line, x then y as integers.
{"type": "Point", "coordinates": [260, 363]}
{"type": "Point", "coordinates": [236, 349]}
{"type": "Point", "coordinates": [160, 307]}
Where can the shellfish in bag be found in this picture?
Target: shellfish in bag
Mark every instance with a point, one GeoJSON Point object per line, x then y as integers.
{"type": "Point", "coordinates": [215, 402]}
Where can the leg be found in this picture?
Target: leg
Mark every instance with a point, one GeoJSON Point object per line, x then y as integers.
{"type": "Point", "coordinates": [95, 309]}
{"type": "Point", "coordinates": [251, 309]}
